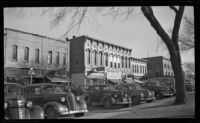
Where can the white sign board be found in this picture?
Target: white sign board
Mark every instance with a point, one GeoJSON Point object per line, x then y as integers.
{"type": "Point", "coordinates": [114, 75]}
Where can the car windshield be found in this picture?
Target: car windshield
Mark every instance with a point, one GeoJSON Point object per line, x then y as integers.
{"type": "Point", "coordinates": [129, 87]}
{"type": "Point", "coordinates": [54, 89]}
{"type": "Point", "coordinates": [13, 90]}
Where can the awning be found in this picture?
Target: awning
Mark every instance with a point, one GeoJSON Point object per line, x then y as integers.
{"type": "Point", "coordinates": [138, 81]}
{"type": "Point", "coordinates": [114, 81]}
{"type": "Point", "coordinates": [58, 79]}
{"type": "Point", "coordinates": [129, 81]}
{"type": "Point", "coordinates": [96, 76]}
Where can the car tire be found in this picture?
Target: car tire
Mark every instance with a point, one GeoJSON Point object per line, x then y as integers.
{"type": "Point", "coordinates": [27, 114]}
{"type": "Point", "coordinates": [135, 100]}
{"type": "Point", "coordinates": [51, 113]}
{"type": "Point", "coordinates": [80, 115]}
{"type": "Point", "coordinates": [107, 103]}
{"type": "Point", "coordinates": [89, 101]}
{"type": "Point", "coordinates": [158, 96]}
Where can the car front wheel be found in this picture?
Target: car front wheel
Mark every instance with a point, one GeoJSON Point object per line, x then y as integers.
{"type": "Point", "coordinates": [135, 100]}
{"type": "Point", "coordinates": [51, 113]}
{"type": "Point", "coordinates": [107, 103]}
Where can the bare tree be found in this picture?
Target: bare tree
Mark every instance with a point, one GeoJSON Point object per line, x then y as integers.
{"type": "Point", "coordinates": [79, 14]}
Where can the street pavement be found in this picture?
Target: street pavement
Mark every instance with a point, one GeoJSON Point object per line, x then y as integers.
{"type": "Point", "coordinates": [157, 109]}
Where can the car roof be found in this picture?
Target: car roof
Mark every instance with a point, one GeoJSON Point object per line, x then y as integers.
{"type": "Point", "coordinates": [40, 84]}
{"type": "Point", "coordinates": [12, 83]}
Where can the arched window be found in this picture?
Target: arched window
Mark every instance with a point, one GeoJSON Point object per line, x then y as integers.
{"type": "Point", "coordinates": [118, 61]}
{"type": "Point", "coordinates": [122, 61]}
{"type": "Point", "coordinates": [88, 56]}
{"type": "Point", "coordinates": [14, 53]}
{"type": "Point", "coordinates": [111, 61]}
{"type": "Point", "coordinates": [125, 62]}
{"type": "Point", "coordinates": [106, 59]}
{"type": "Point", "coordinates": [57, 58]}
{"type": "Point", "coordinates": [95, 57]}
{"type": "Point", "coordinates": [101, 58]}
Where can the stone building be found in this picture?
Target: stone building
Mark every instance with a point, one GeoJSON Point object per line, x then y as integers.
{"type": "Point", "coordinates": [95, 61]}
{"type": "Point", "coordinates": [47, 56]}
{"type": "Point", "coordinates": [139, 67]}
{"type": "Point", "coordinates": [159, 66]}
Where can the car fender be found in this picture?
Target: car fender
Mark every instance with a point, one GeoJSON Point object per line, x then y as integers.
{"type": "Point", "coordinates": [36, 112]}
{"type": "Point", "coordinates": [82, 105]}
{"type": "Point", "coordinates": [57, 106]}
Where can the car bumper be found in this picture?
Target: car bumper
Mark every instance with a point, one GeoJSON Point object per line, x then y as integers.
{"type": "Point", "coordinates": [167, 95]}
{"type": "Point", "coordinates": [73, 112]}
{"type": "Point", "coordinates": [125, 101]}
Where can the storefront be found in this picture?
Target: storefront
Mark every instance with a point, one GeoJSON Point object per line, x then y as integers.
{"type": "Point", "coordinates": [96, 78]}
{"type": "Point", "coordinates": [114, 77]}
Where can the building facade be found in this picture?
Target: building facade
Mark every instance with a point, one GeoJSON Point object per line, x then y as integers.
{"type": "Point", "coordinates": [159, 66]}
{"type": "Point", "coordinates": [23, 50]}
{"type": "Point", "coordinates": [139, 67]}
{"type": "Point", "coordinates": [88, 54]}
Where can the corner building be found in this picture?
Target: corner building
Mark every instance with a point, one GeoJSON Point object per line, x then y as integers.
{"type": "Point", "coordinates": [48, 57]}
{"type": "Point", "coordinates": [94, 61]}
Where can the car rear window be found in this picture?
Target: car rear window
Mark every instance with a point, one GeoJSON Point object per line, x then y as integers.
{"type": "Point", "coordinates": [13, 90]}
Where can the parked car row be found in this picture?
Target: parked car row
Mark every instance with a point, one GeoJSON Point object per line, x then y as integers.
{"type": "Point", "coordinates": [57, 101]}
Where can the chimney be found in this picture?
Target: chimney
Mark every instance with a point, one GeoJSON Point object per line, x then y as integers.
{"type": "Point", "coordinates": [74, 36]}
{"type": "Point", "coordinates": [67, 39]}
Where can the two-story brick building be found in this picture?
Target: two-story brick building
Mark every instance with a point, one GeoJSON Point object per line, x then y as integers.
{"type": "Point", "coordinates": [88, 54]}
{"type": "Point", "coordinates": [47, 56]}
{"type": "Point", "coordinates": [159, 66]}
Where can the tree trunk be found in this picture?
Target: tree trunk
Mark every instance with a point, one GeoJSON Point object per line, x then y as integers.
{"type": "Point", "coordinates": [179, 79]}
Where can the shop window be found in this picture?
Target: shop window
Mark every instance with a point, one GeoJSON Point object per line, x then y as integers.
{"type": "Point", "coordinates": [26, 54]}
{"type": "Point", "coordinates": [37, 54]}
{"type": "Point", "coordinates": [14, 53]}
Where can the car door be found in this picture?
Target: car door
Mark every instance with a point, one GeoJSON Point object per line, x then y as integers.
{"type": "Point", "coordinates": [35, 95]}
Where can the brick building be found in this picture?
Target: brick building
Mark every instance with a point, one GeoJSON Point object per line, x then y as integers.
{"type": "Point", "coordinates": [88, 54]}
{"type": "Point", "coordinates": [47, 56]}
{"type": "Point", "coordinates": [159, 66]}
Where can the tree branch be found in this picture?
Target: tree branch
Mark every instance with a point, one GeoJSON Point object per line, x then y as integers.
{"type": "Point", "coordinates": [148, 13]}
{"type": "Point", "coordinates": [177, 23]}
{"type": "Point", "coordinates": [174, 8]}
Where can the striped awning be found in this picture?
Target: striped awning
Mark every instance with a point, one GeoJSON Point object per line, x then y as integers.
{"type": "Point", "coordinates": [58, 79]}
{"type": "Point", "coordinates": [96, 76]}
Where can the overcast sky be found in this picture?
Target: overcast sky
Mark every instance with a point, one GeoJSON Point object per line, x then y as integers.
{"type": "Point", "coordinates": [135, 33]}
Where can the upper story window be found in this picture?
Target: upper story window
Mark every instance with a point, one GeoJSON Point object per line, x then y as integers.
{"type": "Point", "coordinates": [64, 59]}
{"type": "Point", "coordinates": [37, 54]}
{"type": "Point", "coordinates": [50, 57]}
{"type": "Point", "coordinates": [129, 63]}
{"type": "Point", "coordinates": [57, 57]}
{"type": "Point", "coordinates": [14, 53]}
{"type": "Point", "coordinates": [77, 60]}
{"type": "Point", "coordinates": [88, 56]}
{"type": "Point", "coordinates": [122, 61]}
{"type": "Point", "coordinates": [125, 62]}
{"type": "Point", "coordinates": [106, 61]}
{"type": "Point", "coordinates": [26, 54]}
{"type": "Point", "coordinates": [101, 58]}
{"type": "Point", "coordinates": [95, 57]}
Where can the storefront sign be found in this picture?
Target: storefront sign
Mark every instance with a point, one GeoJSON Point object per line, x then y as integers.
{"type": "Point", "coordinates": [20, 71]}
{"type": "Point", "coordinates": [96, 76]}
{"type": "Point", "coordinates": [114, 75]}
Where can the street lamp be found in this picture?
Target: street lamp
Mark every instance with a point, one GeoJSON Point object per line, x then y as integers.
{"type": "Point", "coordinates": [31, 72]}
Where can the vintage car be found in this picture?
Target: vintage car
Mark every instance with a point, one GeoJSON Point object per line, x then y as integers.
{"type": "Point", "coordinates": [136, 92]}
{"type": "Point", "coordinates": [160, 91]}
{"type": "Point", "coordinates": [58, 101]}
{"type": "Point", "coordinates": [16, 106]}
{"type": "Point", "coordinates": [107, 95]}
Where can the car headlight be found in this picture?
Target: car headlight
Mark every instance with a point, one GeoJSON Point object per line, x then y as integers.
{"type": "Point", "coordinates": [115, 95]}
{"type": "Point", "coordinates": [78, 98]}
{"type": "Point", "coordinates": [142, 95]}
{"type": "Point", "coordinates": [63, 109]}
{"type": "Point", "coordinates": [5, 105]}
{"type": "Point", "coordinates": [29, 104]}
{"type": "Point", "coordinates": [126, 95]}
{"type": "Point", "coordinates": [63, 99]}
